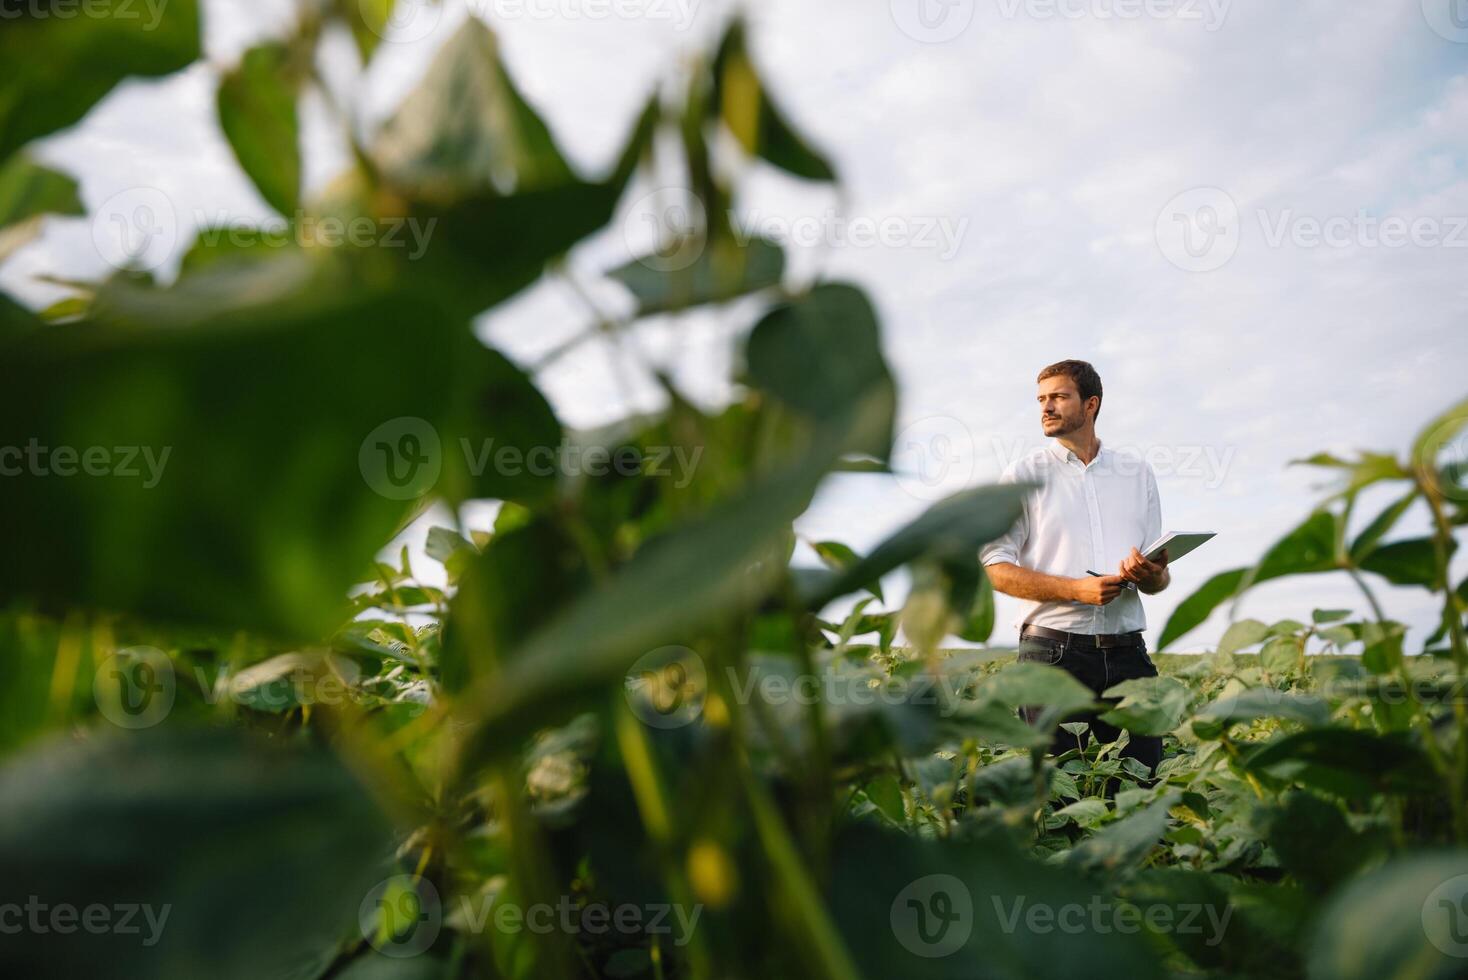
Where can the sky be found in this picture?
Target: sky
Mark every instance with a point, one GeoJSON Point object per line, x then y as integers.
{"type": "Point", "coordinates": [1250, 216]}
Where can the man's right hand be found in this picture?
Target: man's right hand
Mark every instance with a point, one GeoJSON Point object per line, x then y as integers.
{"type": "Point", "coordinates": [1098, 590]}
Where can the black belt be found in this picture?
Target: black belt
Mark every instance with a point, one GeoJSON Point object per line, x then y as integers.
{"type": "Point", "coordinates": [1101, 641]}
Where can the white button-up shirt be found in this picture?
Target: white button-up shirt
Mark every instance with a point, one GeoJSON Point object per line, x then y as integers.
{"type": "Point", "coordinates": [1082, 517]}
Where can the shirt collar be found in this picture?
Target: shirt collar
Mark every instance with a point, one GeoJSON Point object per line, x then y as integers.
{"type": "Point", "coordinates": [1065, 455]}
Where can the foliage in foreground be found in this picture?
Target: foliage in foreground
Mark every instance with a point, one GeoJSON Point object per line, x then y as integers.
{"type": "Point", "coordinates": [626, 699]}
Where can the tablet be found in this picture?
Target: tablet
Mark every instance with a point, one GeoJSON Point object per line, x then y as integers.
{"type": "Point", "coordinates": [1177, 543]}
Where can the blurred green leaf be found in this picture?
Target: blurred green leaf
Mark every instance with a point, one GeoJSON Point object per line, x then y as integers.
{"type": "Point", "coordinates": [724, 270]}
{"type": "Point", "coordinates": [1380, 526]}
{"type": "Point", "coordinates": [1149, 705]}
{"type": "Point", "coordinates": [257, 111]}
{"type": "Point", "coordinates": [467, 131]}
{"type": "Point", "coordinates": [1244, 633]}
{"type": "Point", "coordinates": [725, 560]}
{"type": "Point", "coordinates": [1259, 702]}
{"type": "Point", "coordinates": [227, 472]}
{"type": "Point", "coordinates": [979, 626]}
{"type": "Point", "coordinates": [28, 191]}
{"type": "Point", "coordinates": [1403, 921]}
{"type": "Point", "coordinates": [194, 825]}
{"type": "Point", "coordinates": [951, 530]}
{"type": "Point", "coordinates": [1412, 562]}
{"type": "Point", "coordinates": [977, 907]}
{"type": "Point", "coordinates": [1346, 762]}
{"type": "Point", "coordinates": [822, 353]}
{"type": "Point", "coordinates": [761, 128]}
{"type": "Point", "coordinates": [1314, 841]}
{"type": "Point", "coordinates": [1308, 548]}
{"type": "Point", "coordinates": [1125, 843]}
{"type": "Point", "coordinates": [58, 67]}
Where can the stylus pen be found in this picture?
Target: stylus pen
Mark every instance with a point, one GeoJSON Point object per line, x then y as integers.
{"type": "Point", "coordinates": [1124, 585]}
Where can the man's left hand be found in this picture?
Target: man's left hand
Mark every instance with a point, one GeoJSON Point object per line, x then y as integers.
{"type": "Point", "coordinates": [1149, 575]}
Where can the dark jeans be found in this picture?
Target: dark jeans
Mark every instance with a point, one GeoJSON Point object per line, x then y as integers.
{"type": "Point", "coordinates": [1098, 669]}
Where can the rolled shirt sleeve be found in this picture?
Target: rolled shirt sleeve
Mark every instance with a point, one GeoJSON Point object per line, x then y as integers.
{"type": "Point", "coordinates": [1007, 547]}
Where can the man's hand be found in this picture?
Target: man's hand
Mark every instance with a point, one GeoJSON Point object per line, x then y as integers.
{"type": "Point", "coordinates": [1150, 576]}
{"type": "Point", "coordinates": [1097, 590]}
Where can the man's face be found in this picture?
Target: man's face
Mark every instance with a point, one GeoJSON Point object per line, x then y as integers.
{"type": "Point", "coordinates": [1061, 409]}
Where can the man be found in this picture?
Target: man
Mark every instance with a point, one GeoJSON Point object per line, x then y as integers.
{"type": "Point", "coordinates": [1093, 510]}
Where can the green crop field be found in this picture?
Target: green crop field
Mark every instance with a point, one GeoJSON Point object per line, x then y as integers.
{"type": "Point", "coordinates": [607, 727]}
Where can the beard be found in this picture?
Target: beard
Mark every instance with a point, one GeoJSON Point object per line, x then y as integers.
{"type": "Point", "coordinates": [1063, 425]}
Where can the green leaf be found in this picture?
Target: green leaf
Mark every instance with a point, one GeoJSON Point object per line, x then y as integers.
{"type": "Point", "coordinates": [1314, 841]}
{"type": "Point", "coordinates": [1036, 685]}
{"type": "Point", "coordinates": [368, 21]}
{"type": "Point", "coordinates": [1259, 702]}
{"type": "Point", "coordinates": [1149, 705]}
{"type": "Point", "coordinates": [1281, 654]}
{"type": "Point", "coordinates": [1087, 812]}
{"type": "Point", "coordinates": [948, 908]}
{"type": "Point", "coordinates": [28, 191]}
{"type": "Point", "coordinates": [57, 68]}
{"type": "Point", "coordinates": [257, 111]}
{"type": "Point", "coordinates": [743, 102]}
{"type": "Point", "coordinates": [724, 561]}
{"type": "Point", "coordinates": [195, 824]}
{"type": "Point", "coordinates": [1380, 526]}
{"type": "Point", "coordinates": [241, 471]}
{"type": "Point", "coordinates": [1412, 562]}
{"type": "Point", "coordinates": [1402, 921]}
{"type": "Point", "coordinates": [980, 623]}
{"type": "Point", "coordinates": [1347, 762]}
{"type": "Point", "coordinates": [724, 270]}
{"type": "Point", "coordinates": [1193, 610]}
{"type": "Point", "coordinates": [952, 530]}
{"type": "Point", "coordinates": [467, 131]}
{"type": "Point", "coordinates": [821, 353]}
{"type": "Point", "coordinates": [1244, 633]}
{"type": "Point", "coordinates": [885, 792]}
{"type": "Point", "coordinates": [1329, 615]}
{"type": "Point", "coordinates": [1308, 548]}
{"type": "Point", "coordinates": [1126, 842]}
{"type": "Point", "coordinates": [837, 556]}
{"type": "Point", "coordinates": [524, 578]}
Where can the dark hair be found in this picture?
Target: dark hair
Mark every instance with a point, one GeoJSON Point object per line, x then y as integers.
{"type": "Point", "coordinates": [1088, 382]}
